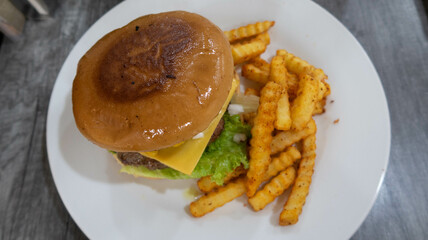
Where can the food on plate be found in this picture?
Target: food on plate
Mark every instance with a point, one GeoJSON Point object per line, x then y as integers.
{"type": "Point", "coordinates": [296, 200]}
{"type": "Point", "coordinates": [162, 95]}
{"type": "Point", "coordinates": [278, 74]}
{"type": "Point", "coordinates": [155, 93]}
{"type": "Point", "coordinates": [205, 184]}
{"type": "Point", "coordinates": [285, 139]}
{"type": "Point", "coordinates": [254, 73]}
{"type": "Point", "coordinates": [303, 106]}
{"type": "Point", "coordinates": [273, 189]}
{"type": "Point", "coordinates": [282, 146]}
{"type": "Point", "coordinates": [262, 136]}
{"type": "Point", "coordinates": [284, 160]}
{"type": "Point", "coordinates": [218, 197]}
{"type": "Point", "coordinates": [243, 52]}
{"type": "Point", "coordinates": [249, 30]}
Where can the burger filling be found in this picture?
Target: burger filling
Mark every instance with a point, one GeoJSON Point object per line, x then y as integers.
{"type": "Point", "coordinates": [222, 155]}
{"type": "Point", "coordinates": [136, 159]}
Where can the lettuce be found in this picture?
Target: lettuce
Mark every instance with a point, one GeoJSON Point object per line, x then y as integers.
{"type": "Point", "coordinates": [219, 158]}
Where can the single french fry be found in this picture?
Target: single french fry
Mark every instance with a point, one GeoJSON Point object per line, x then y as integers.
{"type": "Point", "coordinates": [287, 138]}
{"type": "Point", "coordinates": [273, 189]}
{"type": "Point", "coordinates": [297, 65]}
{"type": "Point", "coordinates": [296, 200]}
{"type": "Point", "coordinates": [262, 136]}
{"type": "Point", "coordinates": [252, 91]}
{"type": "Point", "coordinates": [304, 104]}
{"type": "Point", "coordinates": [264, 37]}
{"type": "Point", "coordinates": [284, 160]}
{"type": "Point", "coordinates": [218, 197]}
{"type": "Point", "coordinates": [327, 86]}
{"type": "Point", "coordinates": [281, 52]}
{"type": "Point", "coordinates": [319, 107]}
{"type": "Point", "coordinates": [278, 74]}
{"type": "Point", "coordinates": [248, 31]}
{"type": "Point", "coordinates": [206, 185]}
{"type": "Point", "coordinates": [292, 84]}
{"type": "Point", "coordinates": [253, 73]}
{"type": "Point", "coordinates": [243, 52]}
{"type": "Point", "coordinates": [261, 63]}
{"type": "Point", "coordinates": [283, 117]}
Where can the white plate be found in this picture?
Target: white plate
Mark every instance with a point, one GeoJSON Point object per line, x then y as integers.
{"type": "Point", "coordinates": [352, 155]}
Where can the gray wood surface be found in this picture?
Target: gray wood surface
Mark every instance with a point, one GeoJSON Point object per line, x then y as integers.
{"type": "Point", "coordinates": [393, 32]}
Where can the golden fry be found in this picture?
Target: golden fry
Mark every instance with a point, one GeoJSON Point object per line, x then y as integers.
{"type": "Point", "coordinates": [262, 136]}
{"type": "Point", "coordinates": [245, 51]}
{"type": "Point", "coordinates": [319, 107]}
{"type": "Point", "coordinates": [283, 117]}
{"type": "Point", "coordinates": [287, 138]}
{"type": "Point", "coordinates": [253, 73]}
{"type": "Point", "coordinates": [206, 185]}
{"type": "Point", "coordinates": [264, 37]}
{"type": "Point", "coordinates": [296, 200]}
{"type": "Point", "coordinates": [218, 198]}
{"type": "Point", "coordinates": [248, 31]}
{"type": "Point", "coordinates": [304, 104]}
{"type": "Point", "coordinates": [278, 72]}
{"type": "Point", "coordinates": [252, 91]}
{"type": "Point", "coordinates": [273, 189]}
{"type": "Point", "coordinates": [297, 65]}
{"type": "Point", "coordinates": [261, 63]}
{"type": "Point", "coordinates": [292, 84]}
{"type": "Point", "coordinates": [278, 164]}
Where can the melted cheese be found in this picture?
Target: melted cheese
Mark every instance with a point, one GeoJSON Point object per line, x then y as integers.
{"type": "Point", "coordinates": [184, 157]}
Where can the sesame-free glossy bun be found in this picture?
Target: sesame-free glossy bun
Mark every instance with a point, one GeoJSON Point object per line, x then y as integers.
{"type": "Point", "coordinates": [153, 83]}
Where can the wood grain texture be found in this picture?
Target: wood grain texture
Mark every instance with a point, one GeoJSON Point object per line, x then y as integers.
{"type": "Point", "coordinates": [393, 32]}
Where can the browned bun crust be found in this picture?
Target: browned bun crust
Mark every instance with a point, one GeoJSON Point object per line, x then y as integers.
{"type": "Point", "coordinates": [153, 83]}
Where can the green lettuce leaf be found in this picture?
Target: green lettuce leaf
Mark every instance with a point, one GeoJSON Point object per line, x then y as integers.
{"type": "Point", "coordinates": [219, 158]}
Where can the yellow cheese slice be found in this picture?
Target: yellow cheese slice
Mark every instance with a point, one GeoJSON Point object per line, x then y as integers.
{"type": "Point", "coordinates": [184, 157]}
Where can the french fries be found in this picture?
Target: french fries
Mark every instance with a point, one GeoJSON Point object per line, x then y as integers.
{"type": "Point", "coordinates": [288, 138]}
{"type": "Point", "coordinates": [206, 185]}
{"type": "Point", "coordinates": [264, 37]}
{"type": "Point", "coordinates": [297, 65]}
{"type": "Point", "coordinates": [273, 189]}
{"type": "Point", "coordinates": [285, 159]}
{"type": "Point", "coordinates": [255, 73]}
{"type": "Point", "coordinates": [292, 85]}
{"type": "Point", "coordinates": [304, 104]}
{"type": "Point", "coordinates": [278, 74]}
{"type": "Point", "coordinates": [296, 200]}
{"type": "Point", "coordinates": [261, 63]}
{"type": "Point", "coordinates": [319, 107]}
{"type": "Point", "coordinates": [218, 198]}
{"type": "Point", "coordinates": [242, 52]}
{"type": "Point", "coordinates": [262, 136]}
{"type": "Point", "coordinates": [292, 92]}
{"type": "Point", "coordinates": [248, 31]}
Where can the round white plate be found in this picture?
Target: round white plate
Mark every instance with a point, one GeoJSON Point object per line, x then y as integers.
{"type": "Point", "coordinates": [352, 154]}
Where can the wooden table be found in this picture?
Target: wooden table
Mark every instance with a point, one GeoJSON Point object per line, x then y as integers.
{"type": "Point", "coordinates": [393, 32]}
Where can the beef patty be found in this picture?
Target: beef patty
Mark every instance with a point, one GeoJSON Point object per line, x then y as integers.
{"type": "Point", "coordinates": [136, 159]}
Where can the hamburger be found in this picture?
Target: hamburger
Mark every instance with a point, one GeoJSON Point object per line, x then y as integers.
{"type": "Point", "coordinates": [155, 94]}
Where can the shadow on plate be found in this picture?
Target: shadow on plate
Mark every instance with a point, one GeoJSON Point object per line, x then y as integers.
{"type": "Point", "coordinates": [95, 163]}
